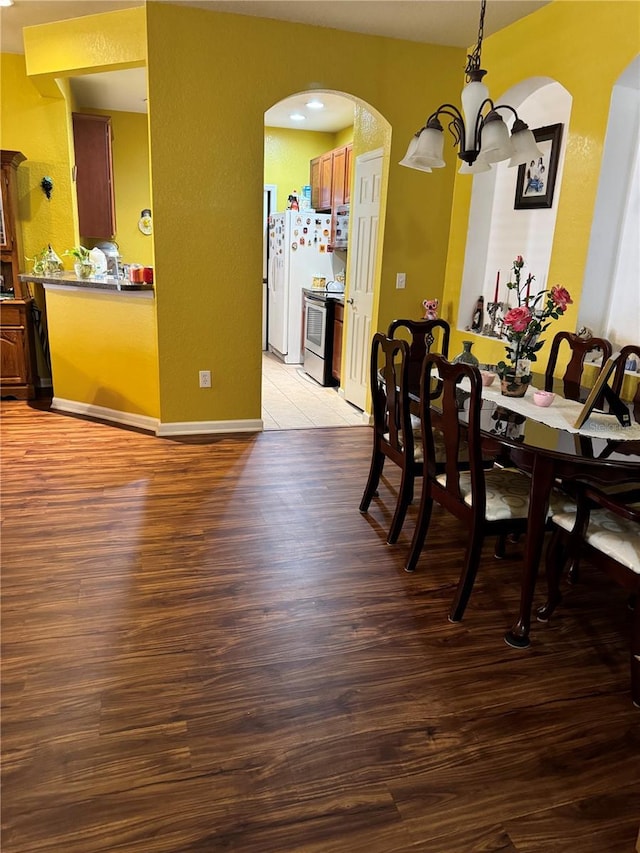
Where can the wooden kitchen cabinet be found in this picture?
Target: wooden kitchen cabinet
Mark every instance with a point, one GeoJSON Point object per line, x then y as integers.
{"type": "Point", "coordinates": [330, 178]}
{"type": "Point", "coordinates": [347, 173]}
{"type": "Point", "coordinates": [338, 328]}
{"type": "Point", "coordinates": [94, 176]}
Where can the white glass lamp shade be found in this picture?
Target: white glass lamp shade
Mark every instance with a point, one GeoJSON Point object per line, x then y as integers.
{"type": "Point", "coordinates": [430, 147]}
{"type": "Point", "coordinates": [473, 96]}
{"type": "Point", "coordinates": [475, 168]}
{"type": "Point", "coordinates": [409, 158]}
{"type": "Point", "coordinates": [525, 148]}
{"type": "Point", "coordinates": [496, 144]}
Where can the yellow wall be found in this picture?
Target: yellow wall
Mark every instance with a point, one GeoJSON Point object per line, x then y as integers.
{"type": "Point", "coordinates": [558, 41]}
{"type": "Point", "coordinates": [287, 154]}
{"type": "Point", "coordinates": [207, 161]}
{"type": "Point", "coordinates": [103, 346]}
{"type": "Point", "coordinates": [207, 146]}
{"type": "Point", "coordinates": [343, 137]}
{"type": "Point", "coordinates": [37, 127]}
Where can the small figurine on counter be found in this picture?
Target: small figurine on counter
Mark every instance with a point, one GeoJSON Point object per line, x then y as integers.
{"type": "Point", "coordinates": [478, 315]}
{"type": "Point", "coordinates": [430, 309]}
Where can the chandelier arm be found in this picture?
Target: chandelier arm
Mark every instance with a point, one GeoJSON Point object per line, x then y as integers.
{"type": "Point", "coordinates": [456, 126]}
{"type": "Point", "coordinates": [449, 110]}
{"type": "Point", "coordinates": [505, 107]}
{"type": "Point", "coordinates": [480, 120]}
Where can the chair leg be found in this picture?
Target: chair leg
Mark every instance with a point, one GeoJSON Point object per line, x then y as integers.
{"type": "Point", "coordinates": [573, 575]}
{"type": "Point", "coordinates": [405, 496]}
{"type": "Point", "coordinates": [375, 472]}
{"type": "Point", "coordinates": [500, 551]}
{"type": "Point", "coordinates": [468, 575]}
{"type": "Point", "coordinates": [554, 563]}
{"type": "Point", "coordinates": [635, 658]}
{"type": "Point", "coordinates": [422, 526]}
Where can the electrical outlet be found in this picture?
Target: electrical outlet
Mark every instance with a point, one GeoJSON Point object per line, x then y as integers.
{"type": "Point", "coordinates": [205, 378]}
{"type": "Point", "coordinates": [401, 280]}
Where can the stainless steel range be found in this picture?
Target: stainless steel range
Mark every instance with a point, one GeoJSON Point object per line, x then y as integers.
{"type": "Point", "coordinates": [319, 308]}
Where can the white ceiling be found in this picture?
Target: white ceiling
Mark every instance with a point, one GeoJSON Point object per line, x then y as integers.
{"type": "Point", "coordinates": [446, 22]}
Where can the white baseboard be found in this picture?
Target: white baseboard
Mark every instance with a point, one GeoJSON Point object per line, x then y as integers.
{"type": "Point", "coordinates": [153, 424]}
{"type": "Point", "coordinates": [209, 427]}
{"type": "Point", "coordinates": [104, 414]}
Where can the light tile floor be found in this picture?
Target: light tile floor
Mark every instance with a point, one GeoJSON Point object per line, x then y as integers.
{"type": "Point", "coordinates": [293, 400]}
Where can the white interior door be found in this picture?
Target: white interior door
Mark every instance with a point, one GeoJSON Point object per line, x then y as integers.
{"type": "Point", "coordinates": [363, 243]}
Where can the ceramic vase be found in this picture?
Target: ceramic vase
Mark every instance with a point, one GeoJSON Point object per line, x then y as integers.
{"type": "Point", "coordinates": [466, 356]}
{"type": "Point", "coordinates": [514, 386]}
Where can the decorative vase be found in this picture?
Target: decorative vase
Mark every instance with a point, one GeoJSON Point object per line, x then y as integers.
{"type": "Point", "coordinates": [466, 356]}
{"type": "Point", "coordinates": [83, 269]}
{"type": "Point", "coordinates": [512, 385]}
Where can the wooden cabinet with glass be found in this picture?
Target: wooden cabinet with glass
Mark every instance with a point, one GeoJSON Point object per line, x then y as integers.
{"type": "Point", "coordinates": [17, 344]}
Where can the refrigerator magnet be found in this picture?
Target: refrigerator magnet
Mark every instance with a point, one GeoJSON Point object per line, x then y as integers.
{"type": "Point", "coordinates": [323, 248]}
{"type": "Point", "coordinates": [302, 241]}
{"type": "Point", "coordinates": [305, 230]}
{"type": "Point", "coordinates": [294, 246]}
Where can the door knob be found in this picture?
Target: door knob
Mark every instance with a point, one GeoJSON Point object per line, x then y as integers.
{"type": "Point", "coordinates": [350, 301]}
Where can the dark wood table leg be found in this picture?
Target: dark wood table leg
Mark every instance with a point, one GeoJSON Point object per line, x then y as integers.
{"type": "Point", "coordinates": [541, 482]}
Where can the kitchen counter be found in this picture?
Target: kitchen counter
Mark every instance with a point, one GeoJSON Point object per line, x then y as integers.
{"type": "Point", "coordinates": [69, 279]}
{"type": "Point", "coordinates": [324, 295]}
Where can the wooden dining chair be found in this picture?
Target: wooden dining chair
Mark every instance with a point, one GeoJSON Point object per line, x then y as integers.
{"type": "Point", "coordinates": [580, 348]}
{"type": "Point", "coordinates": [619, 372]}
{"type": "Point", "coordinates": [393, 428]}
{"type": "Point", "coordinates": [606, 532]}
{"type": "Point", "coordinates": [489, 502]}
{"type": "Point", "coordinates": [421, 335]}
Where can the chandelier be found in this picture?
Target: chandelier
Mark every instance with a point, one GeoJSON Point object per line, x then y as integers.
{"type": "Point", "coordinates": [479, 131]}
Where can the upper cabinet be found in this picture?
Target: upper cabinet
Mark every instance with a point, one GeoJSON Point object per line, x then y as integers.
{"type": "Point", "coordinates": [94, 176]}
{"type": "Point", "coordinates": [331, 178]}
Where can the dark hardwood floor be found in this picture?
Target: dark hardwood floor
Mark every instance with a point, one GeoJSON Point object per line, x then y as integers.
{"type": "Point", "coordinates": [207, 648]}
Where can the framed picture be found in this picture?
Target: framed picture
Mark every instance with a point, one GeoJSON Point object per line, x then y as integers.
{"type": "Point", "coordinates": [597, 389]}
{"type": "Point", "coordinates": [537, 179]}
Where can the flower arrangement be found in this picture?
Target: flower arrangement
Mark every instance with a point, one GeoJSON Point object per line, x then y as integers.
{"type": "Point", "coordinates": [524, 324]}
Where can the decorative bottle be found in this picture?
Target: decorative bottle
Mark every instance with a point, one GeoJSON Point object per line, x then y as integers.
{"type": "Point", "coordinates": [466, 356]}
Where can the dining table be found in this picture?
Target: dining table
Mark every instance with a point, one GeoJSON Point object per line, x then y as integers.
{"type": "Point", "coordinates": [544, 443]}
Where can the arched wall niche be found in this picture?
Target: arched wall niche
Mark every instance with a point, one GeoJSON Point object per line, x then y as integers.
{"type": "Point", "coordinates": [610, 303]}
{"type": "Point", "coordinates": [497, 233]}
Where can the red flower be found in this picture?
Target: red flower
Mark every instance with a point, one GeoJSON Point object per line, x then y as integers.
{"type": "Point", "coordinates": [518, 318]}
{"type": "Point", "coordinates": [561, 297]}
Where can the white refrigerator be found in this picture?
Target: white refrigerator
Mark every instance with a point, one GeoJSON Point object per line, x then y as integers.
{"type": "Point", "coordinates": [298, 253]}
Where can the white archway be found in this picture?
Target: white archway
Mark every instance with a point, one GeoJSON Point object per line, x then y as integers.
{"type": "Point", "coordinates": [610, 304]}
{"type": "Point", "coordinates": [497, 233]}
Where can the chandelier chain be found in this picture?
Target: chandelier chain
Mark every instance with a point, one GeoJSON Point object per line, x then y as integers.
{"type": "Point", "coordinates": [474, 60]}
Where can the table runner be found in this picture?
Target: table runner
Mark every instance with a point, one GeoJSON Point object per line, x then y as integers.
{"type": "Point", "coordinates": [562, 414]}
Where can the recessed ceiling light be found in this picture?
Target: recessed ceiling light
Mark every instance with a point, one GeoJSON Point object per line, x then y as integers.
{"type": "Point", "coordinates": [315, 104]}
{"type": "Point", "coordinates": [6, 2]}
{"type": "Point", "coordinates": [297, 117]}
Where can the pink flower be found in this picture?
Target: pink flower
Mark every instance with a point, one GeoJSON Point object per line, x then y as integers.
{"type": "Point", "coordinates": [518, 318]}
{"type": "Point", "coordinates": [519, 262]}
{"type": "Point", "coordinates": [561, 297]}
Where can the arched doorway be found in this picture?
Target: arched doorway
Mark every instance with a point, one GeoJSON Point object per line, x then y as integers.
{"type": "Point", "coordinates": [301, 131]}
